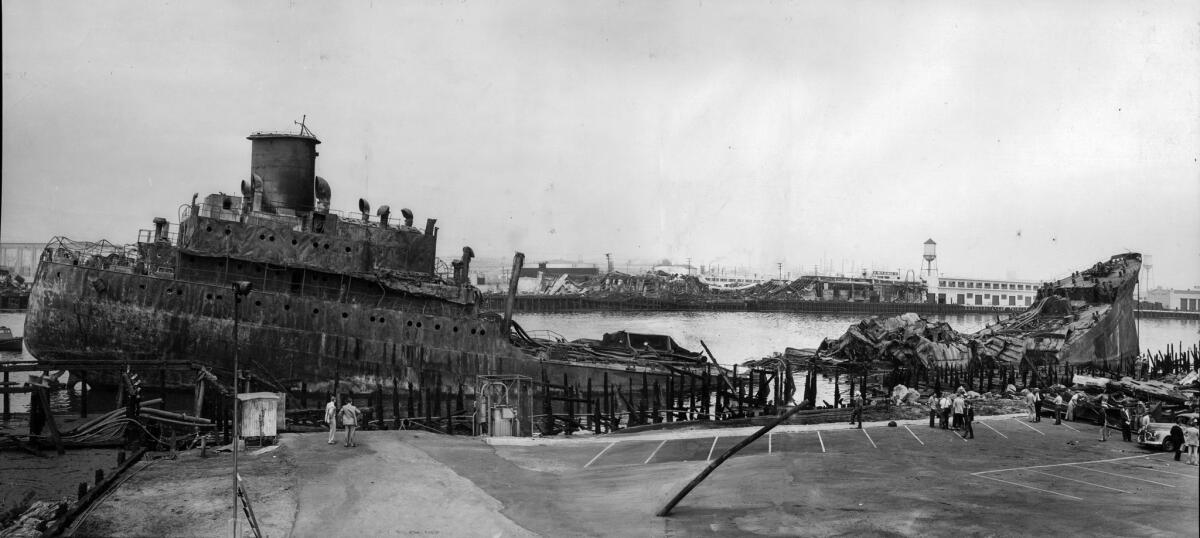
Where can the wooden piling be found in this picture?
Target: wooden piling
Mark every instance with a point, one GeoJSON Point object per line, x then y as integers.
{"type": "Point", "coordinates": [83, 396]}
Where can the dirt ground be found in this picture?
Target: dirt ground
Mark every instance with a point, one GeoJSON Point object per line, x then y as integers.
{"type": "Point", "coordinates": [1014, 478]}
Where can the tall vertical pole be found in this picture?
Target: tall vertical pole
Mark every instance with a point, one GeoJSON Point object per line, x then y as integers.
{"type": "Point", "coordinates": [240, 289]}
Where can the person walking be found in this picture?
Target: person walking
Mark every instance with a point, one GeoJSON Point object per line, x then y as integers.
{"type": "Point", "coordinates": [1126, 424]}
{"type": "Point", "coordinates": [968, 419]}
{"type": "Point", "coordinates": [957, 406]}
{"type": "Point", "coordinates": [331, 417]}
{"type": "Point", "coordinates": [1071, 407]}
{"type": "Point", "coordinates": [350, 416]}
{"type": "Point", "coordinates": [1191, 435]}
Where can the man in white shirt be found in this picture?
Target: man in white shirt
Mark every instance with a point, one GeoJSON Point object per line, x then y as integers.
{"type": "Point", "coordinates": [1071, 406]}
{"type": "Point", "coordinates": [1058, 402]}
{"type": "Point", "coordinates": [945, 405]}
{"type": "Point", "coordinates": [959, 405]}
{"type": "Point", "coordinates": [331, 417]}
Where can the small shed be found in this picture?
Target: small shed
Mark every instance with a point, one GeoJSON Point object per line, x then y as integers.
{"type": "Point", "coordinates": [260, 411]}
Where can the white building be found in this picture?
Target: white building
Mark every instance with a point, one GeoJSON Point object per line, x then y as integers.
{"type": "Point", "coordinates": [983, 292]}
{"type": "Point", "coordinates": [1187, 300]}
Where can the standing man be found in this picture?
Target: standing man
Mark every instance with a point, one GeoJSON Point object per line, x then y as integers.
{"type": "Point", "coordinates": [1071, 407]}
{"type": "Point", "coordinates": [1104, 417]}
{"type": "Point", "coordinates": [1058, 403]}
{"type": "Point", "coordinates": [1029, 404]}
{"type": "Point", "coordinates": [1037, 405]}
{"type": "Point", "coordinates": [958, 406]}
{"type": "Point", "coordinates": [968, 418]}
{"type": "Point", "coordinates": [944, 402]}
{"type": "Point", "coordinates": [350, 415]}
{"type": "Point", "coordinates": [1177, 437]}
{"type": "Point", "coordinates": [934, 408]}
{"type": "Point", "coordinates": [331, 417]}
{"type": "Point", "coordinates": [1126, 424]}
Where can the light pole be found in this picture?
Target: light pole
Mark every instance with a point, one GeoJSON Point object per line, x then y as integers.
{"type": "Point", "coordinates": [240, 289]}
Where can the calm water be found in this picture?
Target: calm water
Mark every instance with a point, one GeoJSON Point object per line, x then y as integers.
{"type": "Point", "coordinates": [733, 337]}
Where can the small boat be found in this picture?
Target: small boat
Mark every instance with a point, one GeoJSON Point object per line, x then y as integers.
{"type": "Point", "coordinates": [8, 342]}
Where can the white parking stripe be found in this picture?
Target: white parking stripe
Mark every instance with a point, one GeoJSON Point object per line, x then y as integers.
{"type": "Point", "coordinates": [1028, 426]}
{"type": "Point", "coordinates": [915, 436]}
{"type": "Point", "coordinates": [864, 430]}
{"type": "Point", "coordinates": [1030, 487]}
{"type": "Point", "coordinates": [711, 448]}
{"type": "Point", "coordinates": [1080, 481]}
{"type": "Point", "coordinates": [995, 430]}
{"type": "Point", "coordinates": [1070, 428]}
{"type": "Point", "coordinates": [1165, 472]}
{"type": "Point", "coordinates": [769, 436]}
{"type": "Point", "coordinates": [664, 441]}
{"type": "Point", "coordinates": [597, 456]}
{"type": "Point", "coordinates": [1079, 465]}
{"type": "Point", "coordinates": [821, 440]}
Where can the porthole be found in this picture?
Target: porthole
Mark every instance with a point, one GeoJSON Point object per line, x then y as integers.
{"type": "Point", "coordinates": [262, 236]}
{"type": "Point", "coordinates": [294, 241]}
{"type": "Point", "coordinates": [418, 325]}
{"type": "Point", "coordinates": [208, 296]}
{"type": "Point", "coordinates": [220, 297]}
{"type": "Point", "coordinates": [208, 229]}
{"type": "Point", "coordinates": [326, 246]}
{"type": "Point", "coordinates": [437, 327]}
{"type": "Point", "coordinates": [287, 307]}
{"type": "Point", "coordinates": [316, 311]}
{"type": "Point", "coordinates": [382, 320]}
{"type": "Point", "coordinates": [179, 292]}
{"type": "Point", "coordinates": [316, 244]}
{"type": "Point", "coordinates": [170, 290]}
{"type": "Point", "coordinates": [345, 315]}
{"type": "Point", "coordinates": [142, 286]}
{"type": "Point", "coordinates": [347, 249]}
{"type": "Point", "coordinates": [272, 238]}
{"type": "Point", "coordinates": [58, 274]}
{"type": "Point", "coordinates": [455, 329]}
{"type": "Point", "coordinates": [372, 318]}
{"type": "Point", "coordinates": [257, 303]}
{"type": "Point", "coordinates": [472, 331]}
{"type": "Point", "coordinates": [482, 332]}
{"type": "Point", "coordinates": [409, 323]}
{"type": "Point", "coordinates": [228, 231]}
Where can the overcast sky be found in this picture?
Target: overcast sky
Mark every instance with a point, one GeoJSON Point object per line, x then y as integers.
{"type": "Point", "coordinates": [1028, 139]}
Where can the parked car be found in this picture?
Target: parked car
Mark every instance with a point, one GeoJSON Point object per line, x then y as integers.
{"type": "Point", "coordinates": [1158, 434]}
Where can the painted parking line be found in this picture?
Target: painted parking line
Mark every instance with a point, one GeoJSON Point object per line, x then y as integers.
{"type": "Point", "coordinates": [1165, 472]}
{"type": "Point", "coordinates": [821, 440]}
{"type": "Point", "coordinates": [1075, 480]}
{"type": "Point", "coordinates": [1022, 422]}
{"type": "Point", "coordinates": [864, 430]}
{"type": "Point", "coordinates": [769, 436]}
{"type": "Point", "coordinates": [1047, 466]}
{"type": "Point", "coordinates": [601, 453]}
{"type": "Point", "coordinates": [989, 426]}
{"type": "Point", "coordinates": [915, 436]}
{"type": "Point", "coordinates": [1081, 466]}
{"type": "Point", "coordinates": [664, 441]}
{"type": "Point", "coordinates": [1069, 427]}
{"type": "Point", "coordinates": [1030, 487]}
{"type": "Point", "coordinates": [713, 447]}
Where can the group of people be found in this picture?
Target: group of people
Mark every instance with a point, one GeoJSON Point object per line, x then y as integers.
{"type": "Point", "coordinates": [347, 414]}
{"type": "Point", "coordinates": [957, 412]}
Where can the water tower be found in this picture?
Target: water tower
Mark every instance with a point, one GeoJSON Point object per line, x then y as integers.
{"type": "Point", "coordinates": [1147, 264]}
{"type": "Point", "coordinates": [930, 266]}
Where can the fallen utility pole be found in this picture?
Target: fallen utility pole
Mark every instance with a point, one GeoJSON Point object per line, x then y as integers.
{"type": "Point", "coordinates": [666, 510]}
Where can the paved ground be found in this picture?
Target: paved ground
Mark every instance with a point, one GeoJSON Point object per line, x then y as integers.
{"type": "Point", "coordinates": [1014, 479]}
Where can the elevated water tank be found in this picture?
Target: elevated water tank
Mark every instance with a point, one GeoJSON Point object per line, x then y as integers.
{"type": "Point", "coordinates": [287, 165]}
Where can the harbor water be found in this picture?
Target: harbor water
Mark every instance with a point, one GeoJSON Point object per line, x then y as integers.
{"type": "Point", "coordinates": [733, 338]}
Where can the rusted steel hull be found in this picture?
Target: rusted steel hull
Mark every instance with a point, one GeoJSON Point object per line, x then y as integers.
{"type": "Point", "coordinates": [284, 339]}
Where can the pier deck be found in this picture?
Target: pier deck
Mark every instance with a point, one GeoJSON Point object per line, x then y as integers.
{"type": "Point", "coordinates": [1014, 478]}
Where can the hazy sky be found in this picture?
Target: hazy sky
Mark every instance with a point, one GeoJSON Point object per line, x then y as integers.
{"type": "Point", "coordinates": [1026, 138]}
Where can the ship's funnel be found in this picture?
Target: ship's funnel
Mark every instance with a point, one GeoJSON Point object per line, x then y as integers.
{"type": "Point", "coordinates": [287, 165]}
